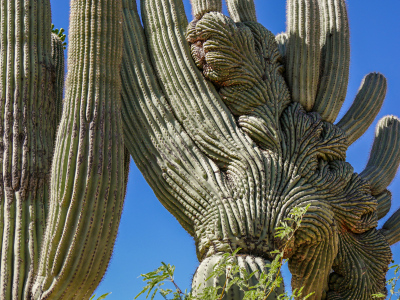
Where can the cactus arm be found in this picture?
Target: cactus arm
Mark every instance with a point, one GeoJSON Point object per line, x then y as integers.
{"type": "Point", "coordinates": [303, 51]}
{"type": "Point", "coordinates": [87, 183]}
{"type": "Point", "coordinates": [201, 7]}
{"type": "Point", "coordinates": [335, 61]}
{"type": "Point", "coordinates": [145, 116]}
{"type": "Point", "coordinates": [360, 266]}
{"type": "Point", "coordinates": [385, 155]}
{"type": "Point", "coordinates": [58, 60]}
{"type": "Point", "coordinates": [365, 107]}
{"type": "Point", "coordinates": [242, 10]}
{"type": "Point", "coordinates": [196, 104]}
{"type": "Point", "coordinates": [27, 134]}
{"type": "Point", "coordinates": [391, 228]}
{"type": "Point", "coordinates": [384, 203]}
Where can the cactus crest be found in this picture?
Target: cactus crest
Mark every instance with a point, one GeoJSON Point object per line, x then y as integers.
{"type": "Point", "coordinates": [232, 127]}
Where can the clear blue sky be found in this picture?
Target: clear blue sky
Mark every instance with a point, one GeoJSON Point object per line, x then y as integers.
{"type": "Point", "coordinates": [149, 234]}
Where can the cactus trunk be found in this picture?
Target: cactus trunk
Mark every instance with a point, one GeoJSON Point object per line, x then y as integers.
{"type": "Point", "coordinates": [27, 129]}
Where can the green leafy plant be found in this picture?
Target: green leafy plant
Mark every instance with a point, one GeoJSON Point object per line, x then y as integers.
{"type": "Point", "coordinates": [392, 284]}
{"type": "Point", "coordinates": [100, 298]}
{"type": "Point", "coordinates": [227, 266]}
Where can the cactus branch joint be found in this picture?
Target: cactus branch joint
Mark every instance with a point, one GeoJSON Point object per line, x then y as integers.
{"type": "Point", "coordinates": [231, 125]}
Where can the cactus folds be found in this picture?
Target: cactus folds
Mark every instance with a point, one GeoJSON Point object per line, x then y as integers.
{"type": "Point", "coordinates": [230, 159]}
{"type": "Point", "coordinates": [231, 126]}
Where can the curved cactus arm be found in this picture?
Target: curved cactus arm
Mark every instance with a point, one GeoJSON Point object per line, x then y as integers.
{"type": "Point", "coordinates": [242, 10]}
{"type": "Point", "coordinates": [151, 134]}
{"type": "Point", "coordinates": [87, 179]}
{"type": "Point", "coordinates": [303, 50]}
{"type": "Point", "coordinates": [201, 7]}
{"type": "Point", "coordinates": [391, 228]}
{"type": "Point", "coordinates": [335, 59]}
{"type": "Point", "coordinates": [27, 135]}
{"type": "Point", "coordinates": [384, 204]}
{"type": "Point", "coordinates": [197, 105]}
{"type": "Point", "coordinates": [365, 107]}
{"type": "Point", "coordinates": [311, 265]}
{"type": "Point", "coordinates": [58, 59]}
{"type": "Point", "coordinates": [360, 266]}
{"type": "Point", "coordinates": [385, 155]}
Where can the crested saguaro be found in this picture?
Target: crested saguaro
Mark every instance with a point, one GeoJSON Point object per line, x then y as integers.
{"type": "Point", "coordinates": [231, 126]}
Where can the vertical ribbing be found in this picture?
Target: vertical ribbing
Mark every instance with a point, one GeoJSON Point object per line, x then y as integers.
{"type": "Point", "coordinates": [88, 181]}
{"type": "Point", "coordinates": [281, 40]}
{"type": "Point", "coordinates": [242, 10]}
{"type": "Point", "coordinates": [385, 155]}
{"type": "Point", "coordinates": [58, 60]}
{"type": "Point", "coordinates": [391, 228]}
{"type": "Point", "coordinates": [303, 50]}
{"type": "Point", "coordinates": [365, 107]}
{"type": "Point", "coordinates": [201, 7]}
{"type": "Point", "coordinates": [384, 203]}
{"type": "Point", "coordinates": [197, 105]}
{"type": "Point", "coordinates": [27, 130]}
{"type": "Point", "coordinates": [335, 59]}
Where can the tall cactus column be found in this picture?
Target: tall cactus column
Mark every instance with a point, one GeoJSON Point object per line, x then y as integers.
{"type": "Point", "coordinates": [87, 180]}
{"type": "Point", "coordinates": [27, 130]}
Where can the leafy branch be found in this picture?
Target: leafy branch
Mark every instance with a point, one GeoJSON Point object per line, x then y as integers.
{"type": "Point", "coordinates": [268, 281]}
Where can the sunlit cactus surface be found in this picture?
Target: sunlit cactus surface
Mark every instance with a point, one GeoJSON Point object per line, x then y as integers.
{"type": "Point", "coordinates": [231, 126]}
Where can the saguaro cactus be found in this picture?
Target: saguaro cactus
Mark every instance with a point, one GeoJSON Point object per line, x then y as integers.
{"type": "Point", "coordinates": [78, 191]}
{"type": "Point", "coordinates": [233, 126]}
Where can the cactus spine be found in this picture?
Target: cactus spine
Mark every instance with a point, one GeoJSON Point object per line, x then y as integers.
{"type": "Point", "coordinates": [235, 129]}
{"type": "Point", "coordinates": [82, 205]}
{"type": "Point", "coordinates": [230, 125]}
{"type": "Point", "coordinates": [27, 129]}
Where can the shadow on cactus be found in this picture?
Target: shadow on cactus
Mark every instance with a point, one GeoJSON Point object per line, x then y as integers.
{"type": "Point", "coordinates": [232, 127]}
{"type": "Point", "coordinates": [237, 127]}
{"type": "Point", "coordinates": [231, 271]}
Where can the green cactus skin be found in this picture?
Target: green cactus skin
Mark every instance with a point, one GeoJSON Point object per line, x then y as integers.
{"type": "Point", "coordinates": [230, 141]}
{"type": "Point", "coordinates": [303, 51]}
{"type": "Point", "coordinates": [248, 262]}
{"type": "Point", "coordinates": [385, 155]}
{"type": "Point", "coordinates": [384, 203]}
{"type": "Point", "coordinates": [230, 125]}
{"type": "Point", "coordinates": [365, 107]}
{"type": "Point", "coordinates": [200, 7]}
{"type": "Point", "coordinates": [335, 44]}
{"type": "Point", "coordinates": [88, 181]}
{"type": "Point", "coordinates": [27, 135]}
{"type": "Point", "coordinates": [57, 54]}
{"type": "Point", "coordinates": [241, 11]}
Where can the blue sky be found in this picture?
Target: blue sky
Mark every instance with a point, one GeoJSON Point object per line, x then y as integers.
{"type": "Point", "coordinates": [149, 234]}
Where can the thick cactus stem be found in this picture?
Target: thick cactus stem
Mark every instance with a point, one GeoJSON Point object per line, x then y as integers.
{"type": "Point", "coordinates": [248, 262]}
{"type": "Point", "coordinates": [27, 135]}
{"type": "Point", "coordinates": [58, 60]}
{"type": "Point", "coordinates": [242, 10]}
{"type": "Point", "coordinates": [201, 7]}
{"type": "Point", "coordinates": [88, 181]}
{"type": "Point", "coordinates": [335, 59]}
{"type": "Point", "coordinates": [303, 50]}
{"type": "Point", "coordinates": [365, 107]}
{"type": "Point", "coordinates": [385, 155]}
